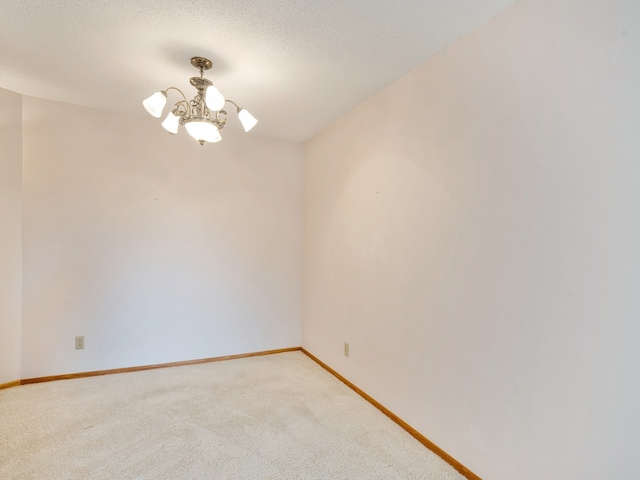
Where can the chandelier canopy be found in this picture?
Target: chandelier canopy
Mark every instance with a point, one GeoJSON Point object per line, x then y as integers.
{"type": "Point", "coordinates": [203, 117]}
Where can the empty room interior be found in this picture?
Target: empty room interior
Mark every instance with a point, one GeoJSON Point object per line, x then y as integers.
{"type": "Point", "coordinates": [440, 203]}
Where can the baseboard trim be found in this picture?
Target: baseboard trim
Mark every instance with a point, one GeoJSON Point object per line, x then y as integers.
{"type": "Point", "coordinates": [412, 431]}
{"type": "Point", "coordinates": [9, 384]}
{"type": "Point", "coordinates": [415, 433]}
{"type": "Point", "coordinates": [96, 373]}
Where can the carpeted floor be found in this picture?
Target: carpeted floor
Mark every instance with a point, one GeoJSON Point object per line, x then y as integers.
{"type": "Point", "coordinates": [272, 417]}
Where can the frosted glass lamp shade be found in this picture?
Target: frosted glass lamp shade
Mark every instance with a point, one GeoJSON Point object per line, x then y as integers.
{"type": "Point", "coordinates": [203, 131]}
{"type": "Point", "coordinates": [214, 99]}
{"type": "Point", "coordinates": [171, 123]}
{"type": "Point", "coordinates": [248, 121]}
{"type": "Point", "coordinates": [155, 104]}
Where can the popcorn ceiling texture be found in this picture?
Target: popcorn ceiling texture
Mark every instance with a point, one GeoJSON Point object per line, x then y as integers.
{"type": "Point", "coordinates": [296, 64]}
{"type": "Point", "coordinates": [277, 416]}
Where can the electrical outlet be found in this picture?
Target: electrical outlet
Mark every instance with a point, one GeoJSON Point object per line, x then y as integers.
{"type": "Point", "coordinates": [79, 343]}
{"type": "Point", "coordinates": [346, 349]}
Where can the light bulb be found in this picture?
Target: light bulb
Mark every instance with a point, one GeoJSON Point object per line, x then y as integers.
{"type": "Point", "coordinates": [203, 131]}
{"type": "Point", "coordinates": [248, 121]}
{"type": "Point", "coordinates": [171, 123]}
{"type": "Point", "coordinates": [214, 99]}
{"type": "Point", "coordinates": [155, 104]}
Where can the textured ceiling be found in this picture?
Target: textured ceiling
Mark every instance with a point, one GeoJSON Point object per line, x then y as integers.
{"type": "Point", "coordinates": [297, 65]}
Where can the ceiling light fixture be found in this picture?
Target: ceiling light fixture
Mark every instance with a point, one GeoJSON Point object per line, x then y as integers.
{"type": "Point", "coordinates": [203, 117]}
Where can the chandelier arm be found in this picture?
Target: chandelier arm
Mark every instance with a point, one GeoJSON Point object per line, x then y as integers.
{"type": "Point", "coordinates": [184, 100]}
{"type": "Point", "coordinates": [177, 89]}
{"type": "Point", "coordinates": [182, 104]}
{"type": "Point", "coordinates": [232, 102]}
{"type": "Point", "coordinates": [221, 119]}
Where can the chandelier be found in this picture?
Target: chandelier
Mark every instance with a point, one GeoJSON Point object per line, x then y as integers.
{"type": "Point", "coordinates": [203, 117]}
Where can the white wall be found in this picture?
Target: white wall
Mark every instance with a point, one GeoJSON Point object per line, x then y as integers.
{"type": "Point", "coordinates": [473, 231]}
{"type": "Point", "coordinates": [10, 235]}
{"type": "Point", "coordinates": [153, 247]}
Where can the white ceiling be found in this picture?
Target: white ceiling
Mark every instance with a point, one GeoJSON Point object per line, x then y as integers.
{"type": "Point", "coordinates": [297, 65]}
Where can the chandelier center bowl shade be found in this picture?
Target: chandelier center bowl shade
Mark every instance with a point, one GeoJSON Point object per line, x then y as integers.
{"type": "Point", "coordinates": [203, 116]}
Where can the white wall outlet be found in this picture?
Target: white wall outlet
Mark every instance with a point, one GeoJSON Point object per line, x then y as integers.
{"type": "Point", "coordinates": [346, 349]}
{"type": "Point", "coordinates": [79, 343]}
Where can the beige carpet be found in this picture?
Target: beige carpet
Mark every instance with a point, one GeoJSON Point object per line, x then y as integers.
{"type": "Point", "coordinates": [273, 417]}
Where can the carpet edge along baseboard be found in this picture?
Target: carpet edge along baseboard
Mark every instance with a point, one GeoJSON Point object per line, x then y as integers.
{"type": "Point", "coordinates": [69, 376]}
{"type": "Point", "coordinates": [9, 384]}
{"type": "Point", "coordinates": [412, 431]}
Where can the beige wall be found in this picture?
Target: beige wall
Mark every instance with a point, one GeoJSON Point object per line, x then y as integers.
{"type": "Point", "coordinates": [10, 235]}
{"type": "Point", "coordinates": [153, 247]}
{"type": "Point", "coordinates": [473, 232]}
